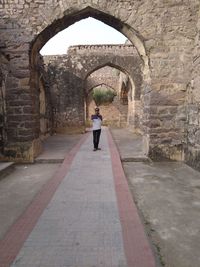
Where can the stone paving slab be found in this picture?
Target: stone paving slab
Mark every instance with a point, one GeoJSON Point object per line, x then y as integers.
{"type": "Point", "coordinates": [19, 188]}
{"type": "Point", "coordinates": [130, 145]}
{"type": "Point", "coordinates": [168, 196]}
{"type": "Point", "coordinates": [55, 147]}
{"type": "Point", "coordinates": [5, 168]}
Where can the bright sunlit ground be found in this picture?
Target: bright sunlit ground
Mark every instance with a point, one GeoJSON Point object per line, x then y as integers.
{"type": "Point", "coordinates": [86, 31]}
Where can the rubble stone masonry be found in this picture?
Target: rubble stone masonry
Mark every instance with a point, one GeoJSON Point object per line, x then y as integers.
{"type": "Point", "coordinates": [192, 149]}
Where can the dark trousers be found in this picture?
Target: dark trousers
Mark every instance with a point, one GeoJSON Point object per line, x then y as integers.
{"type": "Point", "coordinates": [96, 137]}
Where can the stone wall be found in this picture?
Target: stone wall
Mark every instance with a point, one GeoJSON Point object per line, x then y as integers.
{"type": "Point", "coordinates": [45, 104]}
{"type": "Point", "coordinates": [192, 149]}
{"type": "Point", "coordinates": [163, 33]}
{"type": "Point", "coordinates": [4, 70]}
{"type": "Point", "coordinates": [67, 93]}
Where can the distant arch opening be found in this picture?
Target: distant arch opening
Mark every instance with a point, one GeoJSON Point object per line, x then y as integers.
{"type": "Point", "coordinates": [119, 111]}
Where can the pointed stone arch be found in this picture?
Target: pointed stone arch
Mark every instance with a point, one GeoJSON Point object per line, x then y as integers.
{"type": "Point", "coordinates": [102, 84]}
{"type": "Point", "coordinates": [165, 45]}
{"type": "Point", "coordinates": [134, 94]}
{"type": "Point", "coordinates": [70, 16]}
{"type": "Point", "coordinates": [27, 125]}
{"type": "Point", "coordinates": [67, 17]}
{"type": "Point", "coordinates": [114, 113]}
{"type": "Point", "coordinates": [131, 106]}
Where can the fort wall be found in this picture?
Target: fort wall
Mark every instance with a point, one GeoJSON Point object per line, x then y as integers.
{"type": "Point", "coordinates": [192, 147]}
{"type": "Point", "coordinates": [166, 37]}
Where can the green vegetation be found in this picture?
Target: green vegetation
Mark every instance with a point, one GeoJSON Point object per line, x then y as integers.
{"type": "Point", "coordinates": [103, 96]}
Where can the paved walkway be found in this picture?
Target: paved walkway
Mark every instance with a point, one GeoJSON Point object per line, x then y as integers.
{"type": "Point", "coordinates": [56, 147]}
{"type": "Point", "coordinates": [83, 217]}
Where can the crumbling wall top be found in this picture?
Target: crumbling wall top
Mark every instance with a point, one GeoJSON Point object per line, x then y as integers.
{"type": "Point", "coordinates": [126, 49]}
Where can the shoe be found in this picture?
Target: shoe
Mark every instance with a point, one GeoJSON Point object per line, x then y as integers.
{"type": "Point", "coordinates": [98, 148]}
{"type": "Point", "coordinates": [94, 149]}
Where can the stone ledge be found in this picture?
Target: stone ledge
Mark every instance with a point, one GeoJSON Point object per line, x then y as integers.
{"type": "Point", "coordinates": [6, 168]}
{"type": "Point", "coordinates": [136, 159]}
{"type": "Point", "coordinates": [51, 161]}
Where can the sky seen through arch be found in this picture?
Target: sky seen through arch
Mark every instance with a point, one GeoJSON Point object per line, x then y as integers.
{"type": "Point", "coordinates": [84, 32]}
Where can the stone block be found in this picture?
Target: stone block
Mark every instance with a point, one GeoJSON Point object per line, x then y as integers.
{"type": "Point", "coordinates": [22, 151]}
{"type": "Point", "coordinates": [163, 152]}
{"type": "Point", "coordinates": [24, 82]}
{"type": "Point", "coordinates": [192, 157]}
{"type": "Point", "coordinates": [28, 110]}
{"type": "Point", "coordinates": [12, 82]}
{"type": "Point", "coordinates": [153, 123]}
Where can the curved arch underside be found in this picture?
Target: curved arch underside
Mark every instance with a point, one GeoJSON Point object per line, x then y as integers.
{"type": "Point", "coordinates": [77, 14]}
{"type": "Point", "coordinates": [101, 85]}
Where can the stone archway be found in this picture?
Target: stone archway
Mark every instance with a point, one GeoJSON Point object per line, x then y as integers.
{"type": "Point", "coordinates": [165, 46]}
{"type": "Point", "coordinates": [69, 73]}
{"type": "Point", "coordinates": [4, 70]}
{"type": "Point", "coordinates": [129, 108]}
{"type": "Point", "coordinates": [76, 16]}
{"type": "Point", "coordinates": [24, 139]}
{"type": "Point", "coordinates": [121, 57]}
{"type": "Point", "coordinates": [113, 116]}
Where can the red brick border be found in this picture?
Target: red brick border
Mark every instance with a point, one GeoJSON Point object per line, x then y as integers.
{"type": "Point", "coordinates": [20, 230]}
{"type": "Point", "coordinates": [137, 248]}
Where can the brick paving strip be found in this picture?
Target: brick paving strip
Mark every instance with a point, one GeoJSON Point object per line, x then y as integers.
{"type": "Point", "coordinates": [137, 248]}
{"type": "Point", "coordinates": [14, 239]}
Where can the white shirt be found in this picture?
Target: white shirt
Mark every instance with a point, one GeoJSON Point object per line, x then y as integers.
{"type": "Point", "coordinates": [97, 120]}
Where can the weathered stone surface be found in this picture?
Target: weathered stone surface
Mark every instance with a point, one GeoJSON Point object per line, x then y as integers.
{"type": "Point", "coordinates": [192, 149]}
{"type": "Point", "coordinates": [164, 33]}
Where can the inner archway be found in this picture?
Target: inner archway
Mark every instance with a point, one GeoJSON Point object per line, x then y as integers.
{"type": "Point", "coordinates": [106, 78]}
{"type": "Point", "coordinates": [106, 99]}
{"type": "Point", "coordinates": [127, 101]}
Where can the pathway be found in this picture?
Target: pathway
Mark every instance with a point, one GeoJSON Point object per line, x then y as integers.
{"type": "Point", "coordinates": [83, 217]}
